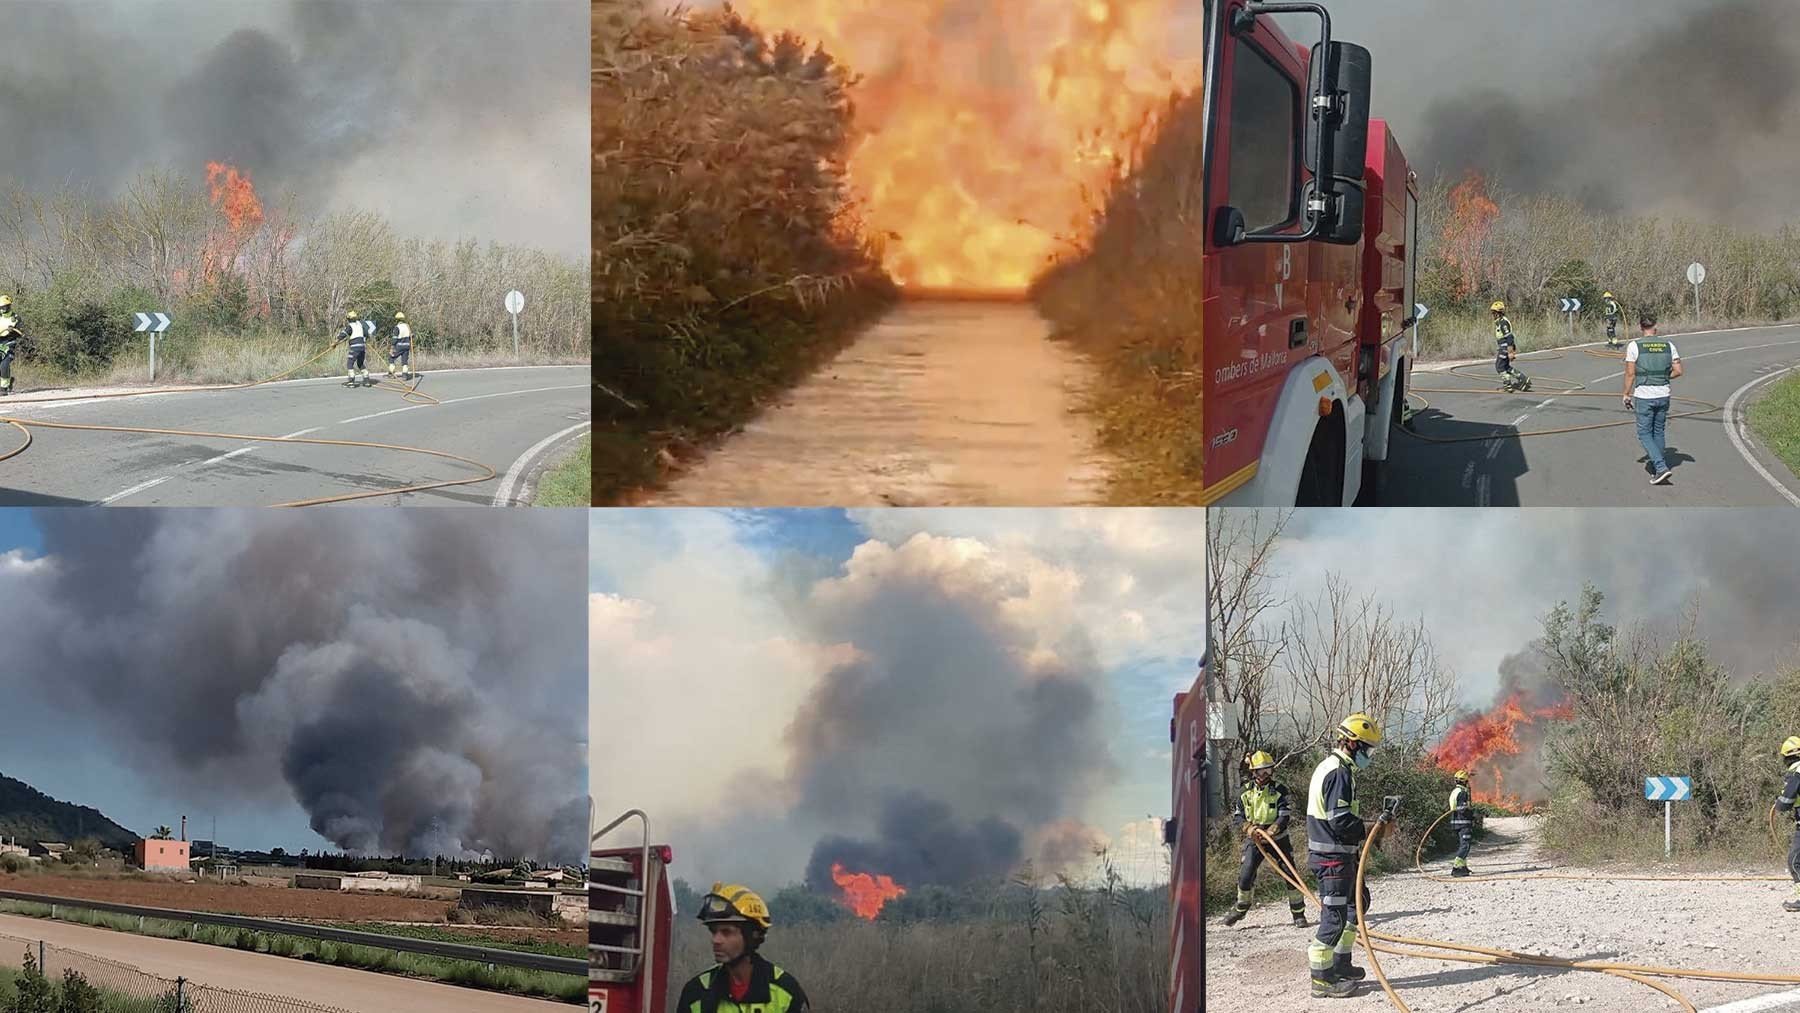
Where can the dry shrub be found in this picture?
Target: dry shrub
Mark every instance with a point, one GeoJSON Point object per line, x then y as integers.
{"type": "Point", "coordinates": [728, 257]}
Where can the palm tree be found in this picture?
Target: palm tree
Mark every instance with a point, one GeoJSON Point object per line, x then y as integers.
{"type": "Point", "coordinates": [162, 834]}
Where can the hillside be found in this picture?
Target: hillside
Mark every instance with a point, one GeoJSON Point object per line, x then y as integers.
{"type": "Point", "coordinates": [30, 815]}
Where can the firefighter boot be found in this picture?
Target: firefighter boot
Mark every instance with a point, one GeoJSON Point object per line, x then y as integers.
{"type": "Point", "coordinates": [1460, 871]}
{"type": "Point", "coordinates": [1300, 919]}
{"type": "Point", "coordinates": [1791, 905]}
{"type": "Point", "coordinates": [1237, 915]}
{"type": "Point", "coordinates": [1326, 985]}
{"type": "Point", "coordinates": [1343, 970]}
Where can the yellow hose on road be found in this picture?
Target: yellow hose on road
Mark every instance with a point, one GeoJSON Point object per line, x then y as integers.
{"type": "Point", "coordinates": [410, 394]}
{"type": "Point", "coordinates": [1374, 942]}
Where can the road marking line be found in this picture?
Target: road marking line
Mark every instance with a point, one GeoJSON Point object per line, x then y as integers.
{"type": "Point", "coordinates": [1483, 495]}
{"type": "Point", "coordinates": [516, 473]}
{"type": "Point", "coordinates": [1734, 428]}
{"type": "Point", "coordinates": [1515, 422]}
{"type": "Point", "coordinates": [140, 487]}
{"type": "Point", "coordinates": [1468, 475]}
{"type": "Point", "coordinates": [77, 400]}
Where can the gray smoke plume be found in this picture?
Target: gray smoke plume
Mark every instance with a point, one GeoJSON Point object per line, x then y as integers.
{"type": "Point", "coordinates": [954, 737]}
{"type": "Point", "coordinates": [452, 117]}
{"type": "Point", "coordinates": [413, 679]}
{"type": "Point", "coordinates": [1626, 106]}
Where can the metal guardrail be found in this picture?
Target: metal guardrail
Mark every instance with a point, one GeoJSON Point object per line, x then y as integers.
{"type": "Point", "coordinates": [427, 947]}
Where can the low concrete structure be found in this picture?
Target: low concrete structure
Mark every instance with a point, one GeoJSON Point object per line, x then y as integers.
{"type": "Point", "coordinates": [567, 905]}
{"type": "Point", "coordinates": [352, 882]}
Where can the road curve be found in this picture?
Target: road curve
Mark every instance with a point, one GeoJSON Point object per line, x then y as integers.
{"type": "Point", "coordinates": [223, 967]}
{"type": "Point", "coordinates": [1715, 462]}
{"type": "Point", "coordinates": [494, 416]}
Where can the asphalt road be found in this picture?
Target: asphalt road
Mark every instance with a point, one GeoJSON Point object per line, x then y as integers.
{"type": "Point", "coordinates": [222, 967]}
{"type": "Point", "coordinates": [937, 404]}
{"type": "Point", "coordinates": [1716, 463]}
{"type": "Point", "coordinates": [515, 420]}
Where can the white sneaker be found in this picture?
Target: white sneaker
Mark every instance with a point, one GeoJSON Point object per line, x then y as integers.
{"type": "Point", "coordinates": [1662, 478]}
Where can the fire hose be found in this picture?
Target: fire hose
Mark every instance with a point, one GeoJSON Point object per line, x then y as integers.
{"type": "Point", "coordinates": [1572, 389]}
{"type": "Point", "coordinates": [409, 394]}
{"type": "Point", "coordinates": [1406, 946]}
{"type": "Point", "coordinates": [1419, 853]}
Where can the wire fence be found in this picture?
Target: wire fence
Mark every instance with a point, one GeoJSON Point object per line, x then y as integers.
{"type": "Point", "coordinates": [78, 982]}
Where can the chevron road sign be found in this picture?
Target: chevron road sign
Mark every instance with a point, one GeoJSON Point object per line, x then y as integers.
{"type": "Point", "coordinates": [1668, 789]}
{"type": "Point", "coordinates": [155, 323]}
{"type": "Point", "coordinates": [1571, 305]}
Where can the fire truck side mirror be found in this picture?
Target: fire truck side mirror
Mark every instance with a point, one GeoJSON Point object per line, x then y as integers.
{"type": "Point", "coordinates": [1337, 137]}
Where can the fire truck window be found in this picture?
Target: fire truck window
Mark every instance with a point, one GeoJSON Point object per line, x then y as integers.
{"type": "Point", "coordinates": [1264, 113]}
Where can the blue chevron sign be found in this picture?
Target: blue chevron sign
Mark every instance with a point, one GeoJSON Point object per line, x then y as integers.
{"type": "Point", "coordinates": [1668, 789]}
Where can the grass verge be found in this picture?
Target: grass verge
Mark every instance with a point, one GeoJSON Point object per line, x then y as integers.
{"type": "Point", "coordinates": [569, 484]}
{"type": "Point", "coordinates": [521, 942]}
{"type": "Point", "coordinates": [1775, 418]}
{"type": "Point", "coordinates": [519, 981]}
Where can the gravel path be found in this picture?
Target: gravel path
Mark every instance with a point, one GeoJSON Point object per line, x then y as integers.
{"type": "Point", "coordinates": [1259, 966]}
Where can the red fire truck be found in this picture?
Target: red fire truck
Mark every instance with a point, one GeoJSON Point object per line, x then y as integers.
{"type": "Point", "coordinates": [630, 906]}
{"type": "Point", "coordinates": [1185, 833]}
{"type": "Point", "coordinates": [1308, 329]}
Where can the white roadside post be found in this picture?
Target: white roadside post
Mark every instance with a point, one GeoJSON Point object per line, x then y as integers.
{"type": "Point", "coordinates": [515, 301]}
{"type": "Point", "coordinates": [1696, 273]}
{"type": "Point", "coordinates": [1420, 312]}
{"type": "Point", "coordinates": [155, 323]}
{"type": "Point", "coordinates": [1668, 791]}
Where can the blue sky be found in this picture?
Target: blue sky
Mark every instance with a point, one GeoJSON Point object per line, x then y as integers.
{"type": "Point", "coordinates": [729, 577]}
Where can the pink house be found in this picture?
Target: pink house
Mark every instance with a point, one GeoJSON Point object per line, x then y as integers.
{"type": "Point", "coordinates": [154, 855]}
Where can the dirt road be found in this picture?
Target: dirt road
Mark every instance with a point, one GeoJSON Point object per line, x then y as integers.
{"type": "Point", "coordinates": [939, 404]}
{"type": "Point", "coordinates": [259, 901]}
{"type": "Point", "coordinates": [222, 967]}
{"type": "Point", "coordinates": [1259, 966]}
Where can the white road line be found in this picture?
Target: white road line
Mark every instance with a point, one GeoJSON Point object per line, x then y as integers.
{"type": "Point", "coordinates": [1468, 474]}
{"type": "Point", "coordinates": [1522, 418]}
{"type": "Point", "coordinates": [1757, 1003]}
{"type": "Point", "coordinates": [140, 487]}
{"type": "Point", "coordinates": [509, 484]}
{"type": "Point", "coordinates": [77, 400]}
{"type": "Point", "coordinates": [1734, 428]}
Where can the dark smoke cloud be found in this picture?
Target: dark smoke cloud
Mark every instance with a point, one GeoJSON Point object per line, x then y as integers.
{"type": "Point", "coordinates": [462, 117]}
{"type": "Point", "coordinates": [948, 737]}
{"type": "Point", "coordinates": [412, 679]}
{"type": "Point", "coordinates": [1626, 106]}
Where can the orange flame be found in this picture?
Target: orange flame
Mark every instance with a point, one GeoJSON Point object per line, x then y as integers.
{"type": "Point", "coordinates": [863, 893]}
{"type": "Point", "coordinates": [234, 195]}
{"type": "Point", "coordinates": [1472, 217]}
{"type": "Point", "coordinates": [1477, 744]}
{"type": "Point", "coordinates": [989, 130]}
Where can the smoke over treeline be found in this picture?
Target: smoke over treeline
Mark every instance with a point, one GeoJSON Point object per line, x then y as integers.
{"type": "Point", "coordinates": [455, 117]}
{"type": "Point", "coordinates": [413, 680]}
{"type": "Point", "coordinates": [1681, 109]}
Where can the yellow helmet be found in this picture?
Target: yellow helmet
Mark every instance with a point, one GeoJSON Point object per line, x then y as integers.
{"type": "Point", "coordinates": [1791, 746]}
{"type": "Point", "coordinates": [1462, 775]}
{"type": "Point", "coordinates": [1260, 760]}
{"type": "Point", "coordinates": [1498, 307]}
{"type": "Point", "coordinates": [350, 315]}
{"type": "Point", "coordinates": [1608, 295]}
{"type": "Point", "coordinates": [399, 316]}
{"type": "Point", "coordinates": [5, 303]}
{"type": "Point", "coordinates": [1361, 728]}
{"type": "Point", "coordinates": [730, 902]}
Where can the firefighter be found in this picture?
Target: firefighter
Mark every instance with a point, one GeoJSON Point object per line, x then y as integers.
{"type": "Point", "coordinates": [10, 337]}
{"type": "Point", "coordinates": [1790, 790]}
{"type": "Point", "coordinates": [1506, 348]}
{"type": "Point", "coordinates": [400, 347]}
{"type": "Point", "coordinates": [1609, 308]}
{"type": "Point", "coordinates": [355, 335]}
{"type": "Point", "coordinates": [1462, 820]}
{"type": "Point", "coordinates": [1334, 837]}
{"type": "Point", "coordinates": [742, 980]}
{"type": "Point", "coordinates": [1265, 803]}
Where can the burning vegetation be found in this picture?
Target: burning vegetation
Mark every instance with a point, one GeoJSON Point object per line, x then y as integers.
{"type": "Point", "coordinates": [1497, 745]}
{"type": "Point", "coordinates": [865, 894]}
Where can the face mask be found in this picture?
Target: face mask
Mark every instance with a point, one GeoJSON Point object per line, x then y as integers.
{"type": "Point", "coordinates": [1361, 759]}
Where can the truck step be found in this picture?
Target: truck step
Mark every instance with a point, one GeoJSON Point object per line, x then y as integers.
{"type": "Point", "coordinates": [610, 865]}
{"type": "Point", "coordinates": [623, 919]}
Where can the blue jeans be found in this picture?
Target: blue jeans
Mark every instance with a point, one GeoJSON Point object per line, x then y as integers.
{"type": "Point", "coordinates": [1652, 422]}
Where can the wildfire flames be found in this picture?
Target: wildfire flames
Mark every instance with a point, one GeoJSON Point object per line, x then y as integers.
{"type": "Point", "coordinates": [1482, 743]}
{"type": "Point", "coordinates": [990, 130]}
{"type": "Point", "coordinates": [234, 195]}
{"type": "Point", "coordinates": [863, 893]}
{"type": "Point", "coordinates": [1472, 217]}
